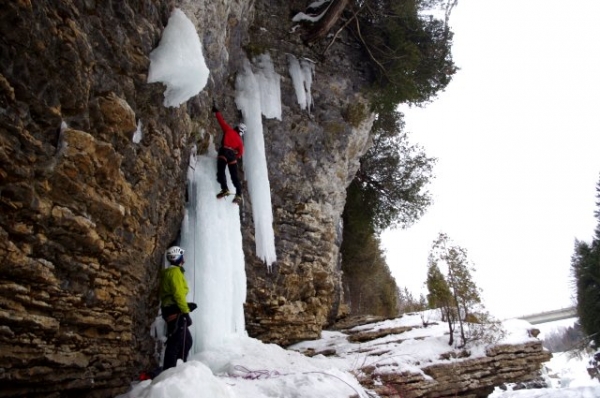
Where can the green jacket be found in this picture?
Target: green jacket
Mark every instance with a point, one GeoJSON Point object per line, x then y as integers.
{"type": "Point", "coordinates": [174, 288]}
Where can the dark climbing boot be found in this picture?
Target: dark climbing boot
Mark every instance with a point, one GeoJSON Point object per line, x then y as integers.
{"type": "Point", "coordinates": [223, 193]}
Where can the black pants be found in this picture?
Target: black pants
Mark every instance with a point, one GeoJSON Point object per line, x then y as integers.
{"type": "Point", "coordinates": [179, 342]}
{"type": "Point", "coordinates": [226, 158]}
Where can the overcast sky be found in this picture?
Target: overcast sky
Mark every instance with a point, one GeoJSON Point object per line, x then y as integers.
{"type": "Point", "coordinates": [517, 137]}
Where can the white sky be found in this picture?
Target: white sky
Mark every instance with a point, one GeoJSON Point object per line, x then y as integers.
{"type": "Point", "coordinates": [516, 135]}
{"type": "Point", "coordinates": [227, 364]}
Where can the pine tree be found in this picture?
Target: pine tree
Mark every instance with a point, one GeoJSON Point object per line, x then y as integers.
{"type": "Point", "coordinates": [408, 52]}
{"type": "Point", "coordinates": [456, 294]}
{"type": "Point", "coordinates": [393, 175]}
{"type": "Point", "coordinates": [440, 295]}
{"type": "Point", "coordinates": [585, 268]}
{"type": "Point", "coordinates": [466, 293]}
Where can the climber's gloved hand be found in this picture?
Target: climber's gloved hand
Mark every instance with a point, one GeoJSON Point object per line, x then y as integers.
{"type": "Point", "coordinates": [188, 319]}
{"type": "Point", "coordinates": [214, 107]}
{"type": "Point", "coordinates": [192, 306]}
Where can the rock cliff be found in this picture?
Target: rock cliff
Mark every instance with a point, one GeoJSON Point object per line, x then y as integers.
{"type": "Point", "coordinates": [86, 210]}
{"type": "Point", "coordinates": [312, 156]}
{"type": "Point", "coordinates": [406, 358]}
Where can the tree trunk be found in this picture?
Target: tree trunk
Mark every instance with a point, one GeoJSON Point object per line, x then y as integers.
{"type": "Point", "coordinates": [322, 27]}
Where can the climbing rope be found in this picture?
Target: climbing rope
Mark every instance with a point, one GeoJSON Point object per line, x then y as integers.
{"type": "Point", "coordinates": [256, 374]}
{"type": "Point", "coordinates": [192, 205]}
{"type": "Point", "coordinates": [194, 193]}
{"type": "Point", "coordinates": [267, 374]}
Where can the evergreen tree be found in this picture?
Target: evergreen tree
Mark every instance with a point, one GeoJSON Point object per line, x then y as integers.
{"type": "Point", "coordinates": [389, 190]}
{"type": "Point", "coordinates": [440, 295]}
{"type": "Point", "coordinates": [411, 60]}
{"type": "Point", "coordinates": [393, 175]}
{"type": "Point", "coordinates": [465, 292]}
{"type": "Point", "coordinates": [410, 52]}
{"type": "Point", "coordinates": [407, 47]}
{"type": "Point", "coordinates": [369, 285]}
{"type": "Point", "coordinates": [460, 295]}
{"type": "Point", "coordinates": [585, 268]}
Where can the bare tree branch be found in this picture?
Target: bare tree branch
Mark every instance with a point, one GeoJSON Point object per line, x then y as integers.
{"type": "Point", "coordinates": [341, 29]}
{"type": "Point", "coordinates": [326, 23]}
{"type": "Point", "coordinates": [369, 50]}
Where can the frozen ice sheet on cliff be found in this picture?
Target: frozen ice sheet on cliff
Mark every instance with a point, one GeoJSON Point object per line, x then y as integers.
{"type": "Point", "coordinates": [302, 75]}
{"type": "Point", "coordinates": [269, 83]}
{"type": "Point", "coordinates": [249, 99]}
{"type": "Point", "coordinates": [215, 272]}
{"type": "Point", "coordinates": [178, 61]}
{"type": "Point", "coordinates": [138, 135]}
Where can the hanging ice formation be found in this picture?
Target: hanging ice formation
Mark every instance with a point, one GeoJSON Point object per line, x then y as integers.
{"type": "Point", "coordinates": [256, 95]}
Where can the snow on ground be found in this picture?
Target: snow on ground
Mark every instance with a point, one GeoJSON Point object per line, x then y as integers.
{"type": "Point", "coordinates": [568, 378]}
{"type": "Point", "coordinates": [243, 367]}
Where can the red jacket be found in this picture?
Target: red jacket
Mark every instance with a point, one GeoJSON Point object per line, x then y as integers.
{"type": "Point", "coordinates": [231, 139]}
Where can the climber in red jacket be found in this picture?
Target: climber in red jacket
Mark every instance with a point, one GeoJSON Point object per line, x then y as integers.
{"type": "Point", "coordinates": [232, 149]}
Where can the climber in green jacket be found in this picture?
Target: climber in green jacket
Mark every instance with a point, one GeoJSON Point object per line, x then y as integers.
{"type": "Point", "coordinates": [175, 309]}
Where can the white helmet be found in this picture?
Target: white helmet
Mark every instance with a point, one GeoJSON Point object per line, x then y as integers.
{"type": "Point", "coordinates": [175, 254]}
{"type": "Point", "coordinates": [241, 128]}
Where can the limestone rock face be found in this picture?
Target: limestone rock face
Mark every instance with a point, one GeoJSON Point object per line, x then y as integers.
{"type": "Point", "coordinates": [85, 213]}
{"type": "Point", "coordinates": [87, 210]}
{"type": "Point", "coordinates": [312, 156]}
{"type": "Point", "coordinates": [476, 377]}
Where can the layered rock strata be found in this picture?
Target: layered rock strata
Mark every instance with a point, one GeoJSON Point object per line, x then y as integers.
{"type": "Point", "coordinates": [86, 210]}
{"type": "Point", "coordinates": [390, 370]}
{"type": "Point", "coordinates": [468, 378]}
{"type": "Point", "coordinates": [312, 155]}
